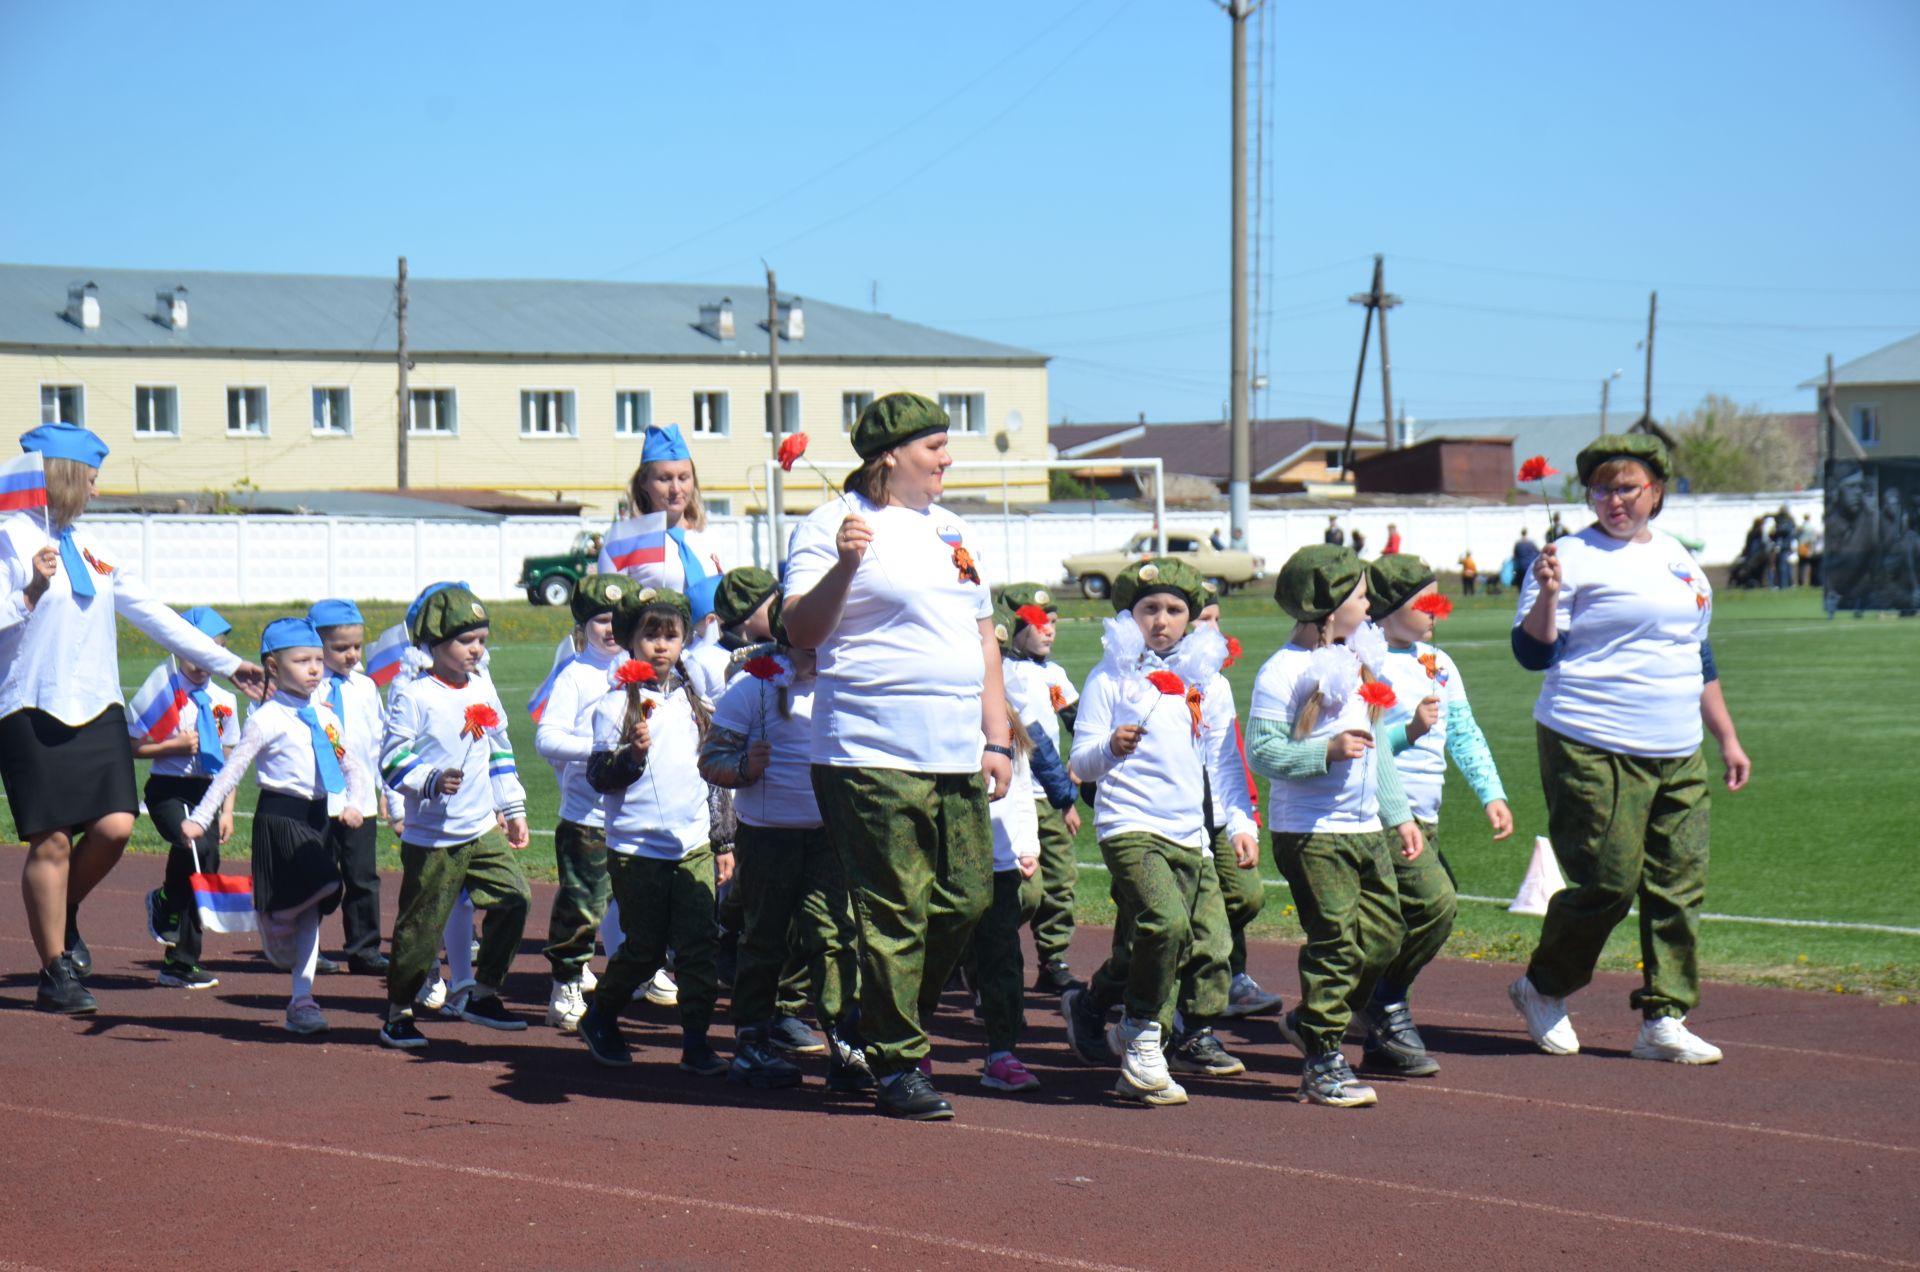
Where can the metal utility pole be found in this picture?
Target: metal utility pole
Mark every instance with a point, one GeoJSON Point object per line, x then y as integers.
{"type": "Point", "coordinates": [1375, 297]}
{"type": "Point", "coordinates": [1240, 477]}
{"type": "Point", "coordinates": [1385, 302]}
{"type": "Point", "coordinates": [406, 400]}
{"type": "Point", "coordinates": [1653, 307]}
{"type": "Point", "coordinates": [1606, 391]}
{"type": "Point", "coordinates": [776, 423]}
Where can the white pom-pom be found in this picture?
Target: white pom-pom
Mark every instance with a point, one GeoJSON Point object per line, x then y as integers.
{"type": "Point", "coordinates": [1199, 656]}
{"type": "Point", "coordinates": [1336, 672]}
{"type": "Point", "coordinates": [1122, 641]}
{"type": "Point", "coordinates": [1369, 645]}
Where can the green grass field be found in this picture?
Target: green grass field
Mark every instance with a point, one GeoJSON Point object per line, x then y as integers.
{"type": "Point", "coordinates": [1826, 710]}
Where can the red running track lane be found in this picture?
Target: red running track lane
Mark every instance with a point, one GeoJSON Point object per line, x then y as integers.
{"type": "Point", "coordinates": [189, 1127]}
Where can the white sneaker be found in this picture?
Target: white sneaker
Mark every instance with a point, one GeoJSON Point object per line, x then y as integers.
{"type": "Point", "coordinates": [587, 979]}
{"type": "Point", "coordinates": [1547, 1021]}
{"type": "Point", "coordinates": [565, 1005]}
{"type": "Point", "coordinates": [1668, 1038]}
{"type": "Point", "coordinates": [661, 991]}
{"type": "Point", "coordinates": [1143, 1066]}
{"type": "Point", "coordinates": [306, 1018]}
{"type": "Point", "coordinates": [433, 995]}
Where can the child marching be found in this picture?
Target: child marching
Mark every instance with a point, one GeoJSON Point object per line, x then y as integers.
{"type": "Point", "coordinates": [307, 778]}
{"type": "Point", "coordinates": [446, 750]}
{"type": "Point", "coordinates": [355, 700]}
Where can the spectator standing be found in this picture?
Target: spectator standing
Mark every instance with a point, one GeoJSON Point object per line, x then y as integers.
{"type": "Point", "coordinates": [1524, 551]}
{"type": "Point", "coordinates": [1393, 540]}
{"type": "Point", "coordinates": [1334, 535]}
{"type": "Point", "coordinates": [1469, 573]}
{"type": "Point", "coordinates": [1784, 535]}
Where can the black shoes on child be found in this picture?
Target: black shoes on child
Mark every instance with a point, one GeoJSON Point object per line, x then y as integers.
{"type": "Point", "coordinates": [61, 991]}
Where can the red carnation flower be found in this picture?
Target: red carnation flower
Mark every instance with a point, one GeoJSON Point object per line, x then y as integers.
{"type": "Point", "coordinates": [1166, 682]}
{"type": "Point", "coordinates": [1033, 616]}
{"type": "Point", "coordinates": [1538, 469]}
{"type": "Point", "coordinates": [791, 450]}
{"type": "Point", "coordinates": [1233, 652]}
{"type": "Point", "coordinates": [765, 667]}
{"type": "Point", "coordinates": [635, 672]}
{"type": "Point", "coordinates": [1377, 694]}
{"type": "Point", "coordinates": [1435, 604]}
{"type": "Point", "coordinates": [480, 718]}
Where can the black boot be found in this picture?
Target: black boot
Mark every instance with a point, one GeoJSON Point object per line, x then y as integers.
{"type": "Point", "coordinates": [76, 950]}
{"type": "Point", "coordinates": [61, 990]}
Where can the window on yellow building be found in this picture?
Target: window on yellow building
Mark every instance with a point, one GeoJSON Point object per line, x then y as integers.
{"type": "Point", "coordinates": [546, 413]}
{"type": "Point", "coordinates": [789, 412]}
{"type": "Point", "coordinates": [333, 412]}
{"type": "Point", "coordinates": [247, 412]}
{"type": "Point", "coordinates": [710, 412]}
{"type": "Point", "coordinates": [435, 411]}
{"type": "Point", "coordinates": [156, 411]}
{"type": "Point", "coordinates": [632, 412]}
{"type": "Point", "coordinates": [851, 404]}
{"type": "Point", "coordinates": [966, 411]}
{"type": "Point", "coordinates": [63, 403]}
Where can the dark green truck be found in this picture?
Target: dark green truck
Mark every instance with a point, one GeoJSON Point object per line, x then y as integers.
{"type": "Point", "coordinates": [549, 580]}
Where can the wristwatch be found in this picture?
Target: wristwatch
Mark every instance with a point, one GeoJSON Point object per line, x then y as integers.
{"type": "Point", "coordinates": [997, 749]}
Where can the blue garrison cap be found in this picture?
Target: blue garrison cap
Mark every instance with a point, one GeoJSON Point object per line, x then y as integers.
{"type": "Point", "coordinates": [288, 633]}
{"type": "Point", "coordinates": [334, 612]}
{"type": "Point", "coordinates": [700, 595]}
{"type": "Point", "coordinates": [664, 443]}
{"type": "Point", "coordinates": [207, 619]}
{"type": "Point", "coordinates": [65, 441]}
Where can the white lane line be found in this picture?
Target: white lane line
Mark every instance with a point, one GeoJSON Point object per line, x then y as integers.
{"type": "Point", "coordinates": [1446, 1194]}
{"type": "Point", "coordinates": [862, 1228]}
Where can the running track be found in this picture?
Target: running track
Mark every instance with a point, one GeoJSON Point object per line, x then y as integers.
{"type": "Point", "coordinates": [189, 1129]}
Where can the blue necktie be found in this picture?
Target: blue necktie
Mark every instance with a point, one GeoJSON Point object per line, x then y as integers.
{"type": "Point", "coordinates": [324, 759]}
{"type": "Point", "coordinates": [79, 577]}
{"type": "Point", "coordinates": [212, 757]}
{"type": "Point", "coordinates": [336, 700]}
{"type": "Point", "coordinates": [691, 570]}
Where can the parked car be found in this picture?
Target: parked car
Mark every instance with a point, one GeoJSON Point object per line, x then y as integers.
{"type": "Point", "coordinates": [550, 580]}
{"type": "Point", "coordinates": [1224, 568]}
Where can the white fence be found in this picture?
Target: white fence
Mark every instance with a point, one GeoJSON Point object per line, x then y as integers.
{"type": "Point", "coordinates": [269, 560]}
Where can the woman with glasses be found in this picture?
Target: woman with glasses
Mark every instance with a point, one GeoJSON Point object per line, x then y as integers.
{"type": "Point", "coordinates": [1617, 617]}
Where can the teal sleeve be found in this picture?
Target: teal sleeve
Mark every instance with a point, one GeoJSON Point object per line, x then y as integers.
{"type": "Point", "coordinates": [1272, 752]}
{"type": "Point", "coordinates": [1397, 740]}
{"type": "Point", "coordinates": [1468, 747]}
{"type": "Point", "coordinates": [1394, 808]}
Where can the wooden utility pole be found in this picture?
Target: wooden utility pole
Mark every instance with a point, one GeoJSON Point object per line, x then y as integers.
{"type": "Point", "coordinates": [1385, 302]}
{"type": "Point", "coordinates": [1606, 388]}
{"type": "Point", "coordinates": [406, 400]}
{"type": "Point", "coordinates": [1375, 297]}
{"type": "Point", "coordinates": [1653, 307]}
{"type": "Point", "coordinates": [776, 488]}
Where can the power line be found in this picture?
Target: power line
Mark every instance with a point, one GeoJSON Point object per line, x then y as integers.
{"type": "Point", "coordinates": [1642, 282]}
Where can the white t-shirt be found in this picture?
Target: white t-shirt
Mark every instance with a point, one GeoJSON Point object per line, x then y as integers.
{"type": "Point", "coordinates": [901, 676]}
{"type": "Point", "coordinates": [671, 572]}
{"type": "Point", "coordinates": [784, 794]}
{"type": "Point", "coordinates": [1346, 797]}
{"type": "Point", "coordinates": [1016, 819]}
{"type": "Point", "coordinates": [664, 814]}
{"type": "Point", "coordinates": [1423, 766]}
{"type": "Point", "coordinates": [1634, 615]}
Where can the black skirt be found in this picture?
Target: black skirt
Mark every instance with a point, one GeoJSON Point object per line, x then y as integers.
{"type": "Point", "coordinates": [291, 861]}
{"type": "Point", "coordinates": [59, 777]}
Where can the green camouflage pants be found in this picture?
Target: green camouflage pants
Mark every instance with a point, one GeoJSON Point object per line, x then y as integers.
{"type": "Point", "coordinates": [433, 877]}
{"type": "Point", "coordinates": [918, 854]}
{"type": "Point", "coordinates": [1058, 873]}
{"type": "Point", "coordinates": [1345, 894]}
{"type": "Point", "coordinates": [1427, 906]}
{"type": "Point", "coordinates": [1171, 939]}
{"type": "Point", "coordinates": [1243, 893]}
{"type": "Point", "coordinates": [1624, 828]}
{"type": "Point", "coordinates": [580, 902]}
{"type": "Point", "coordinates": [664, 903]}
{"type": "Point", "coordinates": [798, 936]}
{"type": "Point", "coordinates": [999, 972]}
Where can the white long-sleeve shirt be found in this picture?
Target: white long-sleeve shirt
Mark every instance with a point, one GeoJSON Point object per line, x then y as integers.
{"type": "Point", "coordinates": [664, 813]}
{"type": "Point", "coordinates": [1160, 788]}
{"type": "Point", "coordinates": [278, 744]}
{"type": "Point", "coordinates": [1016, 819]}
{"type": "Point", "coordinates": [226, 716]}
{"type": "Point", "coordinates": [363, 727]}
{"type": "Point", "coordinates": [784, 794]}
{"type": "Point", "coordinates": [564, 737]}
{"type": "Point", "coordinates": [425, 736]}
{"type": "Point", "coordinates": [62, 655]}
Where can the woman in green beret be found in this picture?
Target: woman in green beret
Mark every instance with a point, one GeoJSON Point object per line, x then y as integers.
{"type": "Point", "coordinates": [910, 729]}
{"type": "Point", "coordinates": [1617, 617]}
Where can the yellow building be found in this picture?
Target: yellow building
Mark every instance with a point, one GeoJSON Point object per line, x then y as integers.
{"type": "Point", "coordinates": [224, 382]}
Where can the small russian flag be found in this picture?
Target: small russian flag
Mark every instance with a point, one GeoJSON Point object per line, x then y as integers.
{"type": "Point", "coordinates": [156, 709]}
{"type": "Point", "coordinates": [538, 707]}
{"type": "Point", "coordinates": [23, 482]}
{"type": "Point", "coordinates": [225, 903]}
{"type": "Point", "coordinates": [383, 656]}
{"type": "Point", "coordinates": [637, 541]}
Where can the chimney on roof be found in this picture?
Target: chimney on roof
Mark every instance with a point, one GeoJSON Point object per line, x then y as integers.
{"type": "Point", "coordinates": [716, 318]}
{"type": "Point", "coordinates": [83, 306]}
{"type": "Point", "coordinates": [170, 308]}
{"type": "Point", "coordinates": [793, 322]}
{"type": "Point", "coordinates": [1143, 419]}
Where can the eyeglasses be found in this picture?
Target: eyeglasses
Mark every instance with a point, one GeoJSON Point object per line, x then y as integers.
{"type": "Point", "coordinates": [1601, 494]}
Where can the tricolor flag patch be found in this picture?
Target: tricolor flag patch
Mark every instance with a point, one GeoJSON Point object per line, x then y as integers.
{"type": "Point", "coordinates": [383, 656]}
{"type": "Point", "coordinates": [23, 482]}
{"type": "Point", "coordinates": [637, 541]}
{"type": "Point", "coordinates": [154, 713]}
{"type": "Point", "coordinates": [225, 903]}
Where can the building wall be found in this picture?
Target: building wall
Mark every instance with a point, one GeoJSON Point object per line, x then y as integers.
{"type": "Point", "coordinates": [1898, 407]}
{"type": "Point", "coordinates": [488, 450]}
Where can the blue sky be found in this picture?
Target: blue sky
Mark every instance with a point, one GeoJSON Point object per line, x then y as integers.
{"type": "Point", "coordinates": [1052, 175]}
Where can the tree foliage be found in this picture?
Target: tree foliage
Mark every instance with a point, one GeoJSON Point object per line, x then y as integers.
{"type": "Point", "coordinates": [1722, 447]}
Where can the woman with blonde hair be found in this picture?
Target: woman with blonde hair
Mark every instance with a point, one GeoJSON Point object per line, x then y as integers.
{"type": "Point", "coordinates": [65, 756]}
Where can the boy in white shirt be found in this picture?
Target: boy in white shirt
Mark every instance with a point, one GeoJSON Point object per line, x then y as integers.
{"type": "Point", "coordinates": [355, 699]}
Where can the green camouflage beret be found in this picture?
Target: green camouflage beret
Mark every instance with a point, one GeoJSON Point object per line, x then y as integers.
{"type": "Point", "coordinates": [1162, 574]}
{"type": "Point", "coordinates": [1004, 626]}
{"type": "Point", "coordinates": [1392, 582]}
{"type": "Point", "coordinates": [640, 602]}
{"type": "Point", "coordinates": [743, 591]}
{"type": "Point", "coordinates": [1017, 596]}
{"type": "Point", "coordinates": [1645, 447]}
{"type": "Point", "coordinates": [597, 594]}
{"type": "Point", "coordinates": [777, 619]}
{"type": "Point", "coordinates": [896, 418]}
{"type": "Point", "coordinates": [1316, 580]}
{"type": "Point", "coordinates": [449, 612]}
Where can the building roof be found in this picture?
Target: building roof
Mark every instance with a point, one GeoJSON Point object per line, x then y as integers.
{"type": "Point", "coordinates": [1898, 363]}
{"type": "Point", "coordinates": [1203, 449]}
{"type": "Point", "coordinates": [310, 313]}
{"type": "Point", "coordinates": [1558, 437]}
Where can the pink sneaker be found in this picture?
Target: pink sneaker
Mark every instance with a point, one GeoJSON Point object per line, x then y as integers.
{"type": "Point", "coordinates": [1008, 1074]}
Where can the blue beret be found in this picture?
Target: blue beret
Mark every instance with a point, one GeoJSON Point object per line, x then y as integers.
{"type": "Point", "coordinates": [65, 441]}
{"type": "Point", "coordinates": [334, 612]}
{"type": "Point", "coordinates": [288, 633]}
{"type": "Point", "coordinates": [419, 603]}
{"type": "Point", "coordinates": [208, 620]}
{"type": "Point", "coordinates": [700, 595]}
{"type": "Point", "coordinates": [664, 443]}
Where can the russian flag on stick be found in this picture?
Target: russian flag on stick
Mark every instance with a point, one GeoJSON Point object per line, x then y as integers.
{"type": "Point", "coordinates": [538, 707]}
{"type": "Point", "coordinates": [23, 482]}
{"type": "Point", "coordinates": [383, 656]}
{"type": "Point", "coordinates": [225, 903]}
{"type": "Point", "coordinates": [156, 709]}
{"type": "Point", "coordinates": [637, 541]}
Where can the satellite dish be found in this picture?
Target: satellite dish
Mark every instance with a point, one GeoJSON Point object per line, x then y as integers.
{"type": "Point", "coordinates": [1002, 442]}
{"type": "Point", "coordinates": [1015, 421]}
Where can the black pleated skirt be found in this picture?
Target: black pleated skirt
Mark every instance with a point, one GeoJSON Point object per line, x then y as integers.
{"type": "Point", "coordinates": [59, 776]}
{"type": "Point", "coordinates": [291, 861]}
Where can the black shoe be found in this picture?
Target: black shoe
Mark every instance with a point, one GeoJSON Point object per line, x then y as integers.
{"type": "Point", "coordinates": [61, 991]}
{"type": "Point", "coordinates": [186, 976]}
{"type": "Point", "coordinates": [374, 964]}
{"type": "Point", "coordinates": [726, 958]}
{"type": "Point", "coordinates": [77, 952]}
{"type": "Point", "coordinates": [912, 1097]}
{"type": "Point", "coordinates": [1394, 1045]}
{"type": "Point", "coordinates": [601, 1032]}
{"type": "Point", "coordinates": [163, 925]}
{"type": "Point", "coordinates": [847, 1070]}
{"type": "Point", "coordinates": [1198, 1051]}
{"type": "Point", "coordinates": [757, 1064]}
{"type": "Point", "coordinates": [488, 1010]}
{"type": "Point", "coordinates": [1055, 977]}
{"type": "Point", "coordinates": [698, 1056]}
{"type": "Point", "coordinates": [402, 1034]}
{"type": "Point", "coordinates": [791, 1035]}
{"type": "Point", "coordinates": [1086, 1028]}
